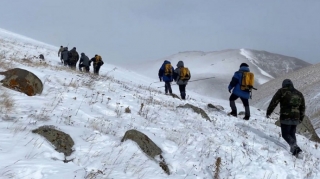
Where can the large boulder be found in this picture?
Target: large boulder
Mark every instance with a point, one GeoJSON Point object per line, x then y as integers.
{"type": "Point", "coordinates": [147, 146]}
{"type": "Point", "coordinates": [62, 142]}
{"type": "Point", "coordinates": [144, 142]}
{"type": "Point", "coordinates": [23, 81]}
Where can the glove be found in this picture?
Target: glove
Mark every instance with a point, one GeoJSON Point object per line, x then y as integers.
{"type": "Point", "coordinates": [160, 79]}
{"type": "Point", "coordinates": [300, 120]}
{"type": "Point", "coordinates": [229, 90]}
{"type": "Point", "coordinates": [268, 116]}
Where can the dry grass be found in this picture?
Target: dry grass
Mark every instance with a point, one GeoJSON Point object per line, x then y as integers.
{"type": "Point", "coordinates": [6, 103]}
{"type": "Point", "coordinates": [217, 168]}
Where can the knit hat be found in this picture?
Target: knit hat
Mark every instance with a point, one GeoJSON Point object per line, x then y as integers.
{"type": "Point", "coordinates": [244, 65]}
{"type": "Point", "coordinates": [287, 82]}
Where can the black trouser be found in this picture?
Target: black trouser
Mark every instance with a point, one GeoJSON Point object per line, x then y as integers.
{"type": "Point", "coordinates": [182, 89]}
{"type": "Point", "coordinates": [65, 62]}
{"type": "Point", "coordinates": [167, 87]}
{"type": "Point", "coordinates": [245, 103]}
{"type": "Point", "coordinates": [96, 69]}
{"type": "Point", "coordinates": [289, 134]}
{"type": "Point", "coordinates": [85, 67]}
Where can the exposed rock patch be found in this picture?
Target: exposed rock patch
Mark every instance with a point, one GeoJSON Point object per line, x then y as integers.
{"type": "Point", "coordinates": [215, 107]}
{"type": "Point", "coordinates": [197, 110]}
{"type": "Point", "coordinates": [61, 141]}
{"type": "Point", "coordinates": [147, 146]}
{"type": "Point", "coordinates": [23, 81]}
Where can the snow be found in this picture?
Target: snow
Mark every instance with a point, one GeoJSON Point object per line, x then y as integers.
{"type": "Point", "coordinates": [248, 55]}
{"type": "Point", "coordinates": [91, 110]}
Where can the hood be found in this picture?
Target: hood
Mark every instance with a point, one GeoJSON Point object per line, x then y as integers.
{"type": "Point", "coordinates": [180, 64]}
{"type": "Point", "coordinates": [166, 62]}
{"type": "Point", "coordinates": [244, 68]}
{"type": "Point", "coordinates": [287, 83]}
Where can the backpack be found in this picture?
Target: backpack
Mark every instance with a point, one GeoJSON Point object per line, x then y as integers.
{"type": "Point", "coordinates": [247, 81]}
{"type": "Point", "coordinates": [168, 69]}
{"type": "Point", "coordinates": [98, 60]}
{"type": "Point", "coordinates": [184, 73]}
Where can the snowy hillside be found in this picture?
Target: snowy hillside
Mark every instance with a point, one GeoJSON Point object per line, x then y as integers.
{"type": "Point", "coordinates": [306, 80]}
{"type": "Point", "coordinates": [221, 65]}
{"type": "Point", "coordinates": [91, 109]}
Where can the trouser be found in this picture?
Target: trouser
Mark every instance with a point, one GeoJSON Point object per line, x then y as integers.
{"type": "Point", "coordinates": [245, 103]}
{"type": "Point", "coordinates": [182, 89]}
{"type": "Point", "coordinates": [289, 134]}
{"type": "Point", "coordinates": [96, 69]}
{"type": "Point", "coordinates": [167, 87]}
{"type": "Point", "coordinates": [85, 67]}
{"type": "Point", "coordinates": [73, 64]}
{"type": "Point", "coordinates": [65, 62]}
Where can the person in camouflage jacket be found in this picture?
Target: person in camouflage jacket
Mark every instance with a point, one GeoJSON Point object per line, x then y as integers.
{"type": "Point", "coordinates": [73, 58]}
{"type": "Point", "coordinates": [292, 109]}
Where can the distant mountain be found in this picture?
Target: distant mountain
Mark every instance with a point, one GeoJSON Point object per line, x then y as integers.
{"type": "Point", "coordinates": [222, 65]}
{"type": "Point", "coordinates": [306, 80]}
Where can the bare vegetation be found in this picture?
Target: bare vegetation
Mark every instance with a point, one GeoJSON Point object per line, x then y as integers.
{"type": "Point", "coordinates": [6, 103]}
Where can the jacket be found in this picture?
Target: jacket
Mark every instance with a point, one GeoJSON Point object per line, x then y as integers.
{"type": "Point", "coordinates": [235, 83]}
{"type": "Point", "coordinates": [292, 105]}
{"type": "Point", "coordinates": [176, 74]}
{"type": "Point", "coordinates": [65, 54]}
{"type": "Point", "coordinates": [84, 60]}
{"type": "Point", "coordinates": [165, 78]}
{"type": "Point", "coordinates": [74, 56]}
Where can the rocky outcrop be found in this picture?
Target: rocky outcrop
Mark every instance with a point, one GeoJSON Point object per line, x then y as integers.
{"type": "Point", "coordinates": [61, 141]}
{"type": "Point", "coordinates": [197, 110]}
{"type": "Point", "coordinates": [215, 107]}
{"type": "Point", "coordinates": [23, 81]}
{"type": "Point", "coordinates": [147, 146]}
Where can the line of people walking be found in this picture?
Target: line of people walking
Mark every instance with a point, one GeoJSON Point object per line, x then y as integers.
{"type": "Point", "coordinates": [181, 75]}
{"type": "Point", "coordinates": [292, 106]}
{"type": "Point", "coordinates": [71, 58]}
{"type": "Point", "coordinates": [292, 103]}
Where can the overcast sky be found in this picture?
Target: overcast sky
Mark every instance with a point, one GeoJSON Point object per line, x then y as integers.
{"type": "Point", "coordinates": [137, 30]}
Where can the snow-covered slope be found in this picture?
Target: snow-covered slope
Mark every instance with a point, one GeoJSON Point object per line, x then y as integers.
{"type": "Point", "coordinates": [221, 65]}
{"type": "Point", "coordinates": [91, 110]}
{"type": "Point", "coordinates": [306, 80]}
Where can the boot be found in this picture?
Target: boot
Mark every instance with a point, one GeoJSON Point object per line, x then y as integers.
{"type": "Point", "coordinates": [233, 109]}
{"type": "Point", "coordinates": [246, 118]}
{"type": "Point", "coordinates": [183, 95]}
{"type": "Point", "coordinates": [233, 113]}
{"type": "Point", "coordinates": [295, 150]}
{"type": "Point", "coordinates": [247, 113]}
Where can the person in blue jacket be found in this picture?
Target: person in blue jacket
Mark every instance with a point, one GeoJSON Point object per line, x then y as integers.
{"type": "Point", "coordinates": [166, 74]}
{"type": "Point", "coordinates": [235, 85]}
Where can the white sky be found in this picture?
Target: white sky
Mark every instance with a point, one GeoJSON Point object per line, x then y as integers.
{"type": "Point", "coordinates": [128, 31]}
{"type": "Point", "coordinates": [248, 149]}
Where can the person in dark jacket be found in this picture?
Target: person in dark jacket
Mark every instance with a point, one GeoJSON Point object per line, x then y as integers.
{"type": "Point", "coordinates": [292, 110]}
{"type": "Point", "coordinates": [182, 83]}
{"type": "Point", "coordinates": [166, 75]}
{"type": "Point", "coordinates": [74, 58]}
{"type": "Point", "coordinates": [65, 56]}
{"type": "Point", "coordinates": [235, 86]}
{"type": "Point", "coordinates": [97, 63]}
{"type": "Point", "coordinates": [84, 62]}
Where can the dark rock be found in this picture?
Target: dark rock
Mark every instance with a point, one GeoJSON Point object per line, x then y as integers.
{"type": "Point", "coordinates": [62, 141]}
{"type": "Point", "coordinates": [215, 107]}
{"type": "Point", "coordinates": [144, 142]}
{"type": "Point", "coordinates": [147, 146]}
{"type": "Point", "coordinates": [197, 110]}
{"type": "Point", "coordinates": [23, 81]}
